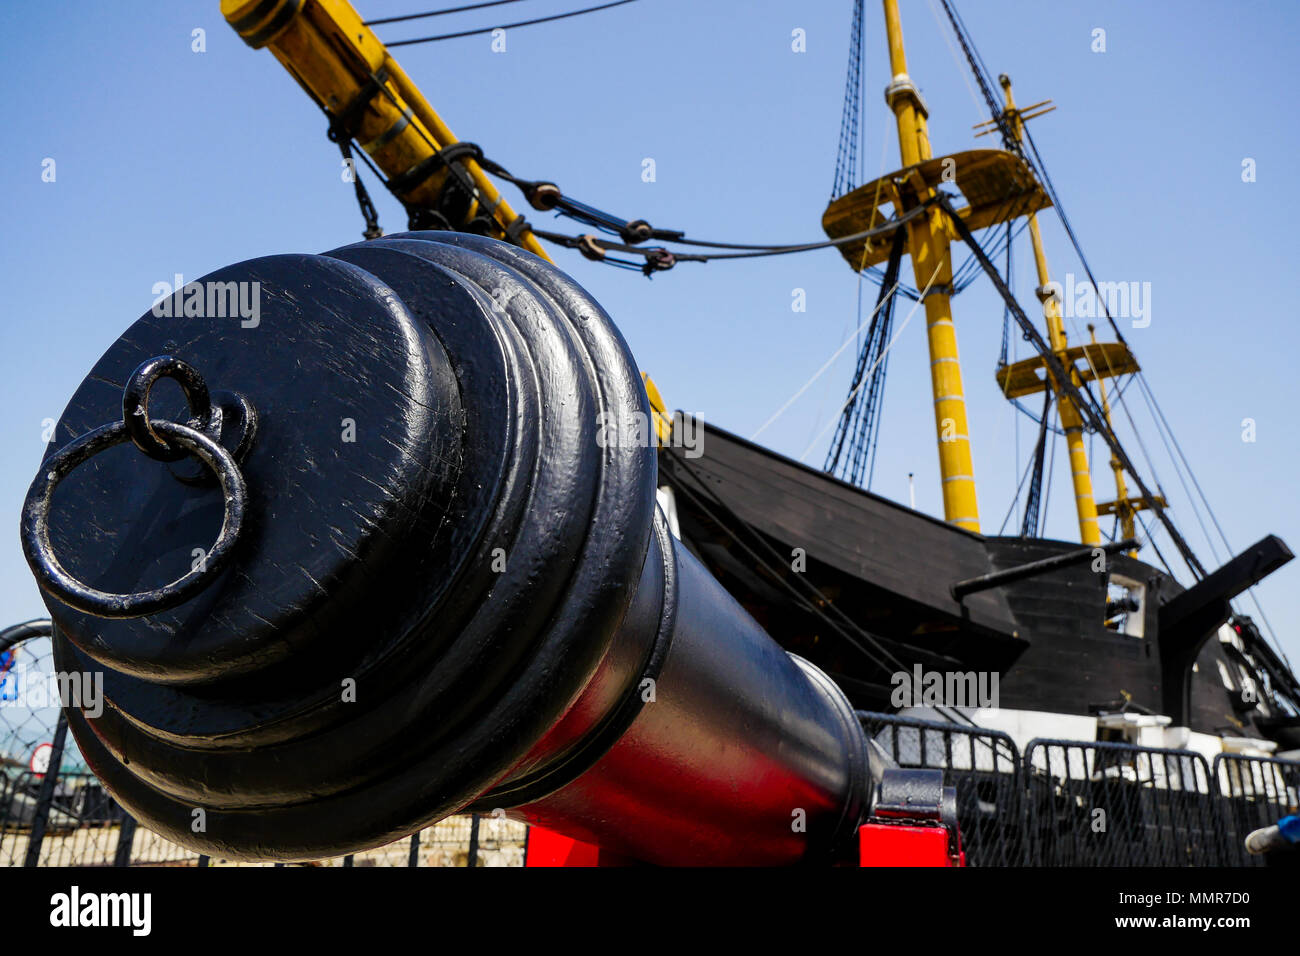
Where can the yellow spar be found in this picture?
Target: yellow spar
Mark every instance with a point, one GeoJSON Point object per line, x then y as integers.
{"type": "Point", "coordinates": [349, 72]}
{"type": "Point", "coordinates": [1071, 421]}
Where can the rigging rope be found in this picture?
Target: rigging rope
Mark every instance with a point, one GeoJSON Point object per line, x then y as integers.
{"type": "Point", "coordinates": [438, 13]}
{"type": "Point", "coordinates": [806, 385]}
{"type": "Point", "coordinates": [659, 258]}
{"type": "Point", "coordinates": [846, 157]}
{"type": "Point", "coordinates": [1030, 524]}
{"type": "Point", "coordinates": [509, 26]}
{"type": "Point", "coordinates": [778, 568]}
{"type": "Point", "coordinates": [1083, 400]}
{"type": "Point", "coordinates": [1089, 404]}
{"type": "Point", "coordinates": [934, 275]}
{"type": "Point", "coordinates": [858, 419]}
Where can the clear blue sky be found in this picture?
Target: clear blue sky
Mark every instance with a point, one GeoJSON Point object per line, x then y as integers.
{"type": "Point", "coordinates": [173, 161]}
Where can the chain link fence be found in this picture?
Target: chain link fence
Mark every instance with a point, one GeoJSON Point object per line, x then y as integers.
{"type": "Point", "coordinates": [79, 824]}
{"type": "Point", "coordinates": [67, 818]}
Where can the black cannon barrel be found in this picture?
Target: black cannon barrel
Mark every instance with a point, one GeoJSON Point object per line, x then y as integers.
{"type": "Point", "coordinates": [443, 581]}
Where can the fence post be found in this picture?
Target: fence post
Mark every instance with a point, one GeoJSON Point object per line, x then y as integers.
{"type": "Point", "coordinates": [46, 795]}
{"type": "Point", "coordinates": [125, 841]}
{"type": "Point", "coordinates": [471, 858]}
{"type": "Point", "coordinates": [414, 858]}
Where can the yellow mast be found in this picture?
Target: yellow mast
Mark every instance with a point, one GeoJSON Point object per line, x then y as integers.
{"type": "Point", "coordinates": [1071, 421]}
{"type": "Point", "coordinates": [929, 242]}
{"type": "Point", "coordinates": [1128, 527]}
{"type": "Point", "coordinates": [1124, 506]}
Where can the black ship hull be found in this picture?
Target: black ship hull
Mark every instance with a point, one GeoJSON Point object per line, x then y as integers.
{"type": "Point", "coordinates": [824, 565]}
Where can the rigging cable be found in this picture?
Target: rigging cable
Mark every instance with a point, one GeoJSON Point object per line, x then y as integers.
{"type": "Point", "coordinates": [1083, 400]}
{"type": "Point", "coordinates": [438, 13]}
{"type": "Point", "coordinates": [846, 157]}
{"type": "Point", "coordinates": [806, 385]}
{"type": "Point", "coordinates": [934, 275]}
{"type": "Point", "coordinates": [1013, 144]}
{"type": "Point", "coordinates": [1012, 507]}
{"type": "Point", "coordinates": [509, 26]}
{"type": "Point", "coordinates": [886, 658]}
{"type": "Point", "coordinates": [1029, 525]}
{"type": "Point", "coordinates": [659, 258]}
{"type": "Point", "coordinates": [858, 418]}
{"type": "Point", "coordinates": [1159, 416]}
{"type": "Point", "coordinates": [1096, 420]}
{"type": "Point", "coordinates": [1047, 492]}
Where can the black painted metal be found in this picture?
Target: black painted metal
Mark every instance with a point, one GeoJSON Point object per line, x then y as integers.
{"type": "Point", "coordinates": [471, 857]}
{"type": "Point", "coordinates": [919, 796]}
{"type": "Point", "coordinates": [1031, 569]}
{"type": "Point", "coordinates": [15, 634]}
{"type": "Point", "coordinates": [455, 588]}
{"type": "Point", "coordinates": [1189, 619]}
{"type": "Point", "coordinates": [1258, 792]}
{"type": "Point", "coordinates": [135, 404]}
{"type": "Point", "coordinates": [984, 768]}
{"type": "Point", "coordinates": [45, 796]}
{"type": "Point", "coordinates": [56, 581]}
{"type": "Point", "coordinates": [125, 842]}
{"type": "Point", "coordinates": [1116, 804]}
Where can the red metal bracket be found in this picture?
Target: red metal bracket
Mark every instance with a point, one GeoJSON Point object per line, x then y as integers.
{"type": "Point", "coordinates": [892, 844]}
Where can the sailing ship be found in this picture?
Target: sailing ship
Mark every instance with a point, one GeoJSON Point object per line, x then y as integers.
{"type": "Point", "coordinates": [928, 619]}
{"type": "Point", "coordinates": [1088, 640]}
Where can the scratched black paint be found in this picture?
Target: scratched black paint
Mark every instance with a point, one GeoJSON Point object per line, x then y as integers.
{"type": "Point", "coordinates": [474, 375]}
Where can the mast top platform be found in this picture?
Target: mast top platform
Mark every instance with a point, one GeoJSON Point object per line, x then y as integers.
{"type": "Point", "coordinates": [997, 185]}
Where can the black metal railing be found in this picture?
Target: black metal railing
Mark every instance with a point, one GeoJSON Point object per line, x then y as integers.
{"type": "Point", "coordinates": [983, 765]}
{"type": "Point", "coordinates": [1257, 791]}
{"type": "Point", "coordinates": [1094, 803]}
{"type": "Point", "coordinates": [1116, 804]}
{"type": "Point", "coordinates": [1063, 803]}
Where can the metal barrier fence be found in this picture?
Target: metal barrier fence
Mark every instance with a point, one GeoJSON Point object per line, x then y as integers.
{"type": "Point", "coordinates": [983, 765]}
{"type": "Point", "coordinates": [1258, 791]}
{"type": "Point", "coordinates": [1114, 804]}
{"type": "Point", "coordinates": [1075, 803]}
{"type": "Point", "coordinates": [1065, 803]}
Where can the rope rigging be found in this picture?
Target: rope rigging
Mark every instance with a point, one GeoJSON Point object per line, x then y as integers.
{"type": "Point", "coordinates": [502, 26]}
{"type": "Point", "coordinates": [439, 13]}
{"type": "Point", "coordinates": [1031, 525]}
{"type": "Point", "coordinates": [1033, 158]}
{"type": "Point", "coordinates": [860, 417]}
{"type": "Point", "coordinates": [810, 598]}
{"type": "Point", "coordinates": [846, 157]}
{"type": "Point", "coordinates": [1083, 400]}
{"type": "Point", "coordinates": [618, 242]}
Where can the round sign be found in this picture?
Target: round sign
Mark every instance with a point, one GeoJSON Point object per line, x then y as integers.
{"type": "Point", "coordinates": [41, 758]}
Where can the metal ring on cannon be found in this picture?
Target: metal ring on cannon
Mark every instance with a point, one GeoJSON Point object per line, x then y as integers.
{"type": "Point", "coordinates": [138, 428]}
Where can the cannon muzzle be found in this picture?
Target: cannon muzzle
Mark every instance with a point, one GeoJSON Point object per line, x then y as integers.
{"type": "Point", "coordinates": [360, 540]}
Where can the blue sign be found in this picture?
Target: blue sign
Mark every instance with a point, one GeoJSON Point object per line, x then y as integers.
{"type": "Point", "coordinates": [8, 677]}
